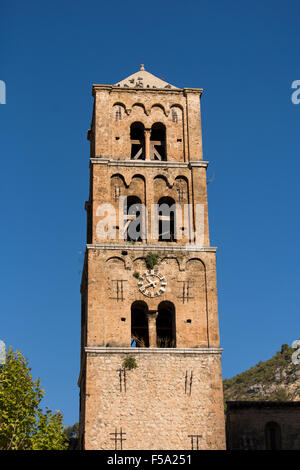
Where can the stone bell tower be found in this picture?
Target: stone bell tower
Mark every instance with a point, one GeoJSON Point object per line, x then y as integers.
{"type": "Point", "coordinates": [150, 373]}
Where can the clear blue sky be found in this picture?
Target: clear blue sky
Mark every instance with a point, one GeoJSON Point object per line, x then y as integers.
{"type": "Point", "coordinates": [245, 55]}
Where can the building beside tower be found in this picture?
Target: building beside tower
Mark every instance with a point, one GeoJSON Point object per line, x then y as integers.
{"type": "Point", "coordinates": [150, 373]}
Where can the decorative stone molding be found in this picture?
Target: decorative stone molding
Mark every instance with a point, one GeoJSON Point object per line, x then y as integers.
{"type": "Point", "coordinates": [105, 160]}
{"type": "Point", "coordinates": [122, 350]}
{"type": "Point", "coordinates": [147, 247]}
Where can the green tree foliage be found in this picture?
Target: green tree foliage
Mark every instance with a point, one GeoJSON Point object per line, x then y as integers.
{"type": "Point", "coordinates": [23, 424]}
{"type": "Point", "coordinates": [72, 431]}
{"type": "Point", "coordinates": [258, 382]}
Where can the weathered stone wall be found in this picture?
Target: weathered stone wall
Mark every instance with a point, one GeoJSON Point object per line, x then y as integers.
{"type": "Point", "coordinates": [162, 405]}
{"type": "Point", "coordinates": [173, 393]}
{"type": "Point", "coordinates": [112, 136]}
{"type": "Point", "coordinates": [149, 183]}
{"type": "Point", "coordinates": [246, 425]}
{"type": "Point", "coordinates": [109, 318]}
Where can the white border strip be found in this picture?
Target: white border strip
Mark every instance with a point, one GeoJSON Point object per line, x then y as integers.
{"type": "Point", "coordinates": [145, 247]}
{"type": "Point", "coordinates": [114, 350]}
{"type": "Point", "coordinates": [103, 160]}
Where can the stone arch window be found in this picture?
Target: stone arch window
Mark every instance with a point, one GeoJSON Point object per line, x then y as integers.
{"type": "Point", "coordinates": [166, 325]}
{"type": "Point", "coordinates": [166, 219]}
{"type": "Point", "coordinates": [139, 325]}
{"type": "Point", "coordinates": [117, 186]}
{"type": "Point", "coordinates": [174, 115]}
{"type": "Point", "coordinates": [133, 228]}
{"type": "Point", "coordinates": [137, 139]}
{"type": "Point", "coordinates": [272, 436]}
{"type": "Point", "coordinates": [158, 142]}
{"type": "Point", "coordinates": [118, 114]}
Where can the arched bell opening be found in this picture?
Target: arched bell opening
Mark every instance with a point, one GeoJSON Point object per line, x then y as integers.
{"type": "Point", "coordinates": [137, 139]}
{"type": "Point", "coordinates": [133, 219]}
{"type": "Point", "coordinates": [139, 325]}
{"type": "Point", "coordinates": [166, 219]}
{"type": "Point", "coordinates": [158, 142]}
{"type": "Point", "coordinates": [166, 325]}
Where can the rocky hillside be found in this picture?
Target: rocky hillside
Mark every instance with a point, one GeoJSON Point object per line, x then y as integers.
{"type": "Point", "coordinates": [275, 379]}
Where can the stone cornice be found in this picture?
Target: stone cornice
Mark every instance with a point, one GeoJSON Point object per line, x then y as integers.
{"type": "Point", "coordinates": [198, 91]}
{"type": "Point", "coordinates": [262, 404]}
{"type": "Point", "coordinates": [198, 163]}
{"type": "Point", "coordinates": [124, 350]}
{"type": "Point", "coordinates": [113, 88]}
{"type": "Point", "coordinates": [147, 247]}
{"type": "Point", "coordinates": [103, 160]}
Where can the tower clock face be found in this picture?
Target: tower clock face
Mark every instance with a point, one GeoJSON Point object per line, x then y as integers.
{"type": "Point", "coordinates": [152, 283]}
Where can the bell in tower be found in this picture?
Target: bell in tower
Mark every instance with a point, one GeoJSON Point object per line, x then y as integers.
{"type": "Point", "coordinates": [150, 373]}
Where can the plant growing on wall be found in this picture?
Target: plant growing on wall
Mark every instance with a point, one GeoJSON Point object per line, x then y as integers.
{"type": "Point", "coordinates": [151, 260]}
{"type": "Point", "coordinates": [129, 363]}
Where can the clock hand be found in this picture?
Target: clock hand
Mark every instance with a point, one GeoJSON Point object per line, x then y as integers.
{"type": "Point", "coordinates": [151, 283]}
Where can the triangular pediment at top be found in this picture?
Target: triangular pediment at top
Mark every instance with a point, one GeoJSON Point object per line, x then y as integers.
{"type": "Point", "coordinates": [144, 79]}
